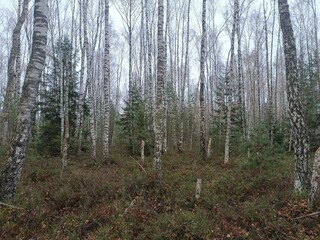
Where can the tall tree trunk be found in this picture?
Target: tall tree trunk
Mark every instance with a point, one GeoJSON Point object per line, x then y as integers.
{"type": "Point", "coordinates": [80, 116]}
{"type": "Point", "coordinates": [269, 84]}
{"type": "Point", "coordinates": [149, 70]}
{"type": "Point", "coordinates": [185, 80]}
{"type": "Point", "coordinates": [17, 81]}
{"type": "Point", "coordinates": [12, 170]}
{"type": "Point", "coordinates": [106, 85]}
{"type": "Point", "coordinates": [67, 74]}
{"type": "Point", "coordinates": [300, 134]}
{"type": "Point", "coordinates": [202, 78]}
{"type": "Point", "coordinates": [229, 77]}
{"type": "Point", "coordinates": [90, 84]}
{"type": "Point", "coordinates": [159, 99]}
{"type": "Point", "coordinates": [240, 71]}
{"type": "Point", "coordinates": [165, 90]}
{"type": "Point", "coordinates": [13, 72]}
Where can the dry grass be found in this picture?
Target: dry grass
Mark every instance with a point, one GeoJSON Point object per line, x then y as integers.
{"type": "Point", "coordinates": [245, 200]}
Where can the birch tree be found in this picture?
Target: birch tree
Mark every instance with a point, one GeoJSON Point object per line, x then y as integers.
{"type": "Point", "coordinates": [12, 170]}
{"type": "Point", "coordinates": [202, 79]}
{"type": "Point", "coordinates": [300, 134]}
{"type": "Point", "coordinates": [106, 84]}
{"type": "Point", "coordinates": [90, 84]}
{"type": "Point", "coordinates": [159, 94]}
{"type": "Point", "coordinates": [185, 80]}
{"type": "Point", "coordinates": [79, 126]}
{"type": "Point", "coordinates": [13, 73]}
{"type": "Point", "coordinates": [229, 77]}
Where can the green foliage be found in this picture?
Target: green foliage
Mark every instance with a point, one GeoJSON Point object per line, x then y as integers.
{"type": "Point", "coordinates": [64, 61]}
{"type": "Point", "coordinates": [135, 125]}
{"type": "Point", "coordinates": [310, 99]}
{"type": "Point", "coordinates": [239, 201]}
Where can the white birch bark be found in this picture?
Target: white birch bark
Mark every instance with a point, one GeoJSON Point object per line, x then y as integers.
{"type": "Point", "coordinates": [229, 76]}
{"type": "Point", "coordinates": [89, 83]}
{"type": "Point", "coordinates": [209, 148]}
{"type": "Point", "coordinates": [13, 72]}
{"type": "Point", "coordinates": [300, 134]}
{"type": "Point", "coordinates": [198, 188]}
{"type": "Point", "coordinates": [185, 80]}
{"type": "Point", "coordinates": [202, 79]}
{"type": "Point", "coordinates": [142, 150]}
{"type": "Point", "coordinates": [315, 179]}
{"type": "Point", "coordinates": [67, 74]}
{"type": "Point", "coordinates": [79, 123]}
{"type": "Point", "coordinates": [159, 99]}
{"type": "Point", "coordinates": [106, 85]}
{"type": "Point", "coordinates": [12, 170]}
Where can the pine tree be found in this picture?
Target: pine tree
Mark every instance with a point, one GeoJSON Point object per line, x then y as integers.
{"type": "Point", "coordinates": [49, 106]}
{"type": "Point", "coordinates": [134, 124]}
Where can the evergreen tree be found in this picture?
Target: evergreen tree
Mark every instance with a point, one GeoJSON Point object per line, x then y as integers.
{"type": "Point", "coordinates": [308, 78]}
{"type": "Point", "coordinates": [135, 125]}
{"type": "Point", "coordinates": [49, 104]}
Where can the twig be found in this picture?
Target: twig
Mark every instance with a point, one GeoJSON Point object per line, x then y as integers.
{"type": "Point", "coordinates": [139, 164]}
{"type": "Point", "coordinates": [308, 215]}
{"type": "Point", "coordinates": [8, 205]}
{"type": "Point", "coordinates": [130, 206]}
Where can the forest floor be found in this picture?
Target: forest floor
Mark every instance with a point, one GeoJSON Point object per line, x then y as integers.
{"type": "Point", "coordinates": [243, 200]}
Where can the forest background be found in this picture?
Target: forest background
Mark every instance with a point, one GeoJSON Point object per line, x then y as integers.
{"type": "Point", "coordinates": [215, 98]}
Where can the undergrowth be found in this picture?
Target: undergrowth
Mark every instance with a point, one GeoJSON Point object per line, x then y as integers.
{"type": "Point", "coordinates": [247, 199]}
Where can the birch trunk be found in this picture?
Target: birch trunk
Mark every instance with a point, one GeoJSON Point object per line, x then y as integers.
{"type": "Point", "coordinates": [202, 78]}
{"type": "Point", "coordinates": [300, 135]}
{"type": "Point", "coordinates": [159, 99]}
{"type": "Point", "coordinates": [106, 85]}
{"type": "Point", "coordinates": [79, 126]}
{"type": "Point", "coordinates": [269, 108]}
{"type": "Point", "coordinates": [13, 74]}
{"type": "Point", "coordinates": [89, 83]}
{"type": "Point", "coordinates": [240, 72]}
{"type": "Point", "coordinates": [149, 71]}
{"type": "Point", "coordinates": [12, 170]}
{"type": "Point", "coordinates": [142, 150]}
{"type": "Point", "coordinates": [315, 179]}
{"type": "Point", "coordinates": [17, 81]}
{"type": "Point", "coordinates": [229, 77]}
{"type": "Point", "coordinates": [166, 104]}
{"type": "Point", "coordinates": [185, 80]}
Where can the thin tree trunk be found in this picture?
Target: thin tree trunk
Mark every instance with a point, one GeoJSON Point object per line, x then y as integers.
{"type": "Point", "coordinates": [165, 95]}
{"type": "Point", "coordinates": [240, 71]}
{"type": "Point", "coordinates": [159, 100]}
{"type": "Point", "coordinates": [80, 116]}
{"type": "Point", "coordinates": [89, 84]}
{"type": "Point", "coordinates": [315, 179]}
{"type": "Point", "coordinates": [300, 134]}
{"type": "Point", "coordinates": [106, 85]}
{"type": "Point", "coordinates": [67, 71]}
{"type": "Point", "coordinates": [149, 72]}
{"type": "Point", "coordinates": [202, 78]}
{"type": "Point", "coordinates": [12, 170]}
{"type": "Point", "coordinates": [229, 77]}
{"type": "Point", "coordinates": [185, 80]}
{"type": "Point", "coordinates": [13, 74]}
{"type": "Point", "coordinates": [269, 108]}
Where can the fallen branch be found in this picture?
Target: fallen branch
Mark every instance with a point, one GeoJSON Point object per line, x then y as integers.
{"type": "Point", "coordinates": [8, 205]}
{"type": "Point", "coordinates": [139, 164]}
{"type": "Point", "coordinates": [308, 215]}
{"type": "Point", "coordinates": [130, 206]}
